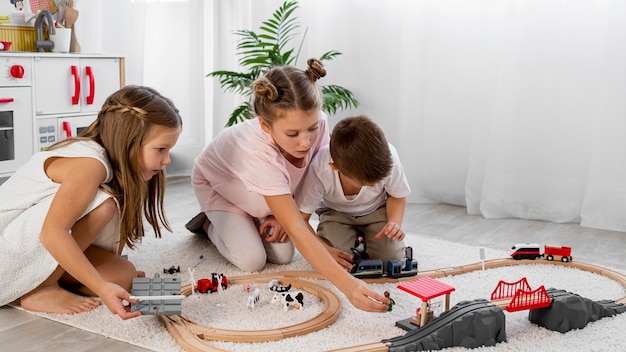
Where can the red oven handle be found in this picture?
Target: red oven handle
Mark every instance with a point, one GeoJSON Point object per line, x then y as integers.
{"type": "Point", "coordinates": [67, 129]}
{"type": "Point", "coordinates": [92, 85]}
{"type": "Point", "coordinates": [6, 100]}
{"type": "Point", "coordinates": [76, 96]}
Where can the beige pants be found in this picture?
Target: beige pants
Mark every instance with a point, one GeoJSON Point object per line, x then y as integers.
{"type": "Point", "coordinates": [340, 231]}
{"type": "Point", "coordinates": [237, 238]}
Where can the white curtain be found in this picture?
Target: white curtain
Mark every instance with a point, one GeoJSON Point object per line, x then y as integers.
{"type": "Point", "coordinates": [164, 46]}
{"type": "Point", "coordinates": [550, 123]}
{"type": "Point", "coordinates": [512, 108]}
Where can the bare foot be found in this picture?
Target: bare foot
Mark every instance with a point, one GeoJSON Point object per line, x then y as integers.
{"type": "Point", "coordinates": [54, 299]}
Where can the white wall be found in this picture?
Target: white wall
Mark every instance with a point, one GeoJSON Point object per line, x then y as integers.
{"type": "Point", "coordinates": [164, 47]}
{"type": "Point", "coordinates": [508, 107]}
{"type": "Point", "coordinates": [513, 108]}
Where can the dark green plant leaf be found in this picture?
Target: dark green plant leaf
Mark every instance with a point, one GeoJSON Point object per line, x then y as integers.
{"type": "Point", "coordinates": [338, 98]}
{"type": "Point", "coordinates": [240, 114]}
{"type": "Point", "coordinates": [330, 55]}
{"type": "Point", "coordinates": [259, 52]}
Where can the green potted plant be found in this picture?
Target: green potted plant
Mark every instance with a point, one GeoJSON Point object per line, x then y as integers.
{"type": "Point", "coordinates": [259, 52]}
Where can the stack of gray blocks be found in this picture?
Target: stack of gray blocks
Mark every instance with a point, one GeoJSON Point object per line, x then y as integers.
{"type": "Point", "coordinates": [157, 286]}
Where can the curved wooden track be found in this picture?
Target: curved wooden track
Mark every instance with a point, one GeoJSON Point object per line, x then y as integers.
{"type": "Point", "coordinates": [193, 337]}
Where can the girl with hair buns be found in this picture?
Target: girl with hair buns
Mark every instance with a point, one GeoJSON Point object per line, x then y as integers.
{"type": "Point", "coordinates": [246, 177]}
{"type": "Point", "coordinates": [66, 215]}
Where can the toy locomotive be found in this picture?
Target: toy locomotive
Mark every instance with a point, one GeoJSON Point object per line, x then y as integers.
{"type": "Point", "coordinates": [533, 251]}
{"type": "Point", "coordinates": [372, 268]}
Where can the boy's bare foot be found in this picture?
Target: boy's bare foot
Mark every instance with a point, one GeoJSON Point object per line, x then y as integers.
{"type": "Point", "coordinates": [54, 299]}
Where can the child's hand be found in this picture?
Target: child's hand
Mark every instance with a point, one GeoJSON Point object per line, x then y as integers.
{"type": "Point", "coordinates": [391, 230]}
{"type": "Point", "coordinates": [344, 259]}
{"type": "Point", "coordinates": [271, 230]}
{"type": "Point", "coordinates": [112, 295]}
{"type": "Point", "coordinates": [364, 298]}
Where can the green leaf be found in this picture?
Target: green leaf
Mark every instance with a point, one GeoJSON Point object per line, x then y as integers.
{"type": "Point", "coordinates": [330, 55]}
{"type": "Point", "coordinates": [270, 47]}
{"type": "Point", "coordinates": [241, 113]}
{"type": "Point", "coordinates": [338, 98]}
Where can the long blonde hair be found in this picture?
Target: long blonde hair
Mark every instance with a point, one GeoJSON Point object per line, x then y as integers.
{"type": "Point", "coordinates": [123, 123]}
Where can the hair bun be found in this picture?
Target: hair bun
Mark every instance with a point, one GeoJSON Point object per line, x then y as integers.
{"type": "Point", "coordinates": [264, 88]}
{"type": "Point", "coordinates": [316, 69]}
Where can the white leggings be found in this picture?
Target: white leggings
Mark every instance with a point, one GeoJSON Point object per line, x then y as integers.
{"type": "Point", "coordinates": [237, 238]}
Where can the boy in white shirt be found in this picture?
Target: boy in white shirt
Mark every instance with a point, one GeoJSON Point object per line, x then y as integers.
{"type": "Point", "coordinates": [358, 189]}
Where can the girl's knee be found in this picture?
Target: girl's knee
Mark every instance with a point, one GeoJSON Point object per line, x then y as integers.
{"type": "Point", "coordinates": [284, 256]}
{"type": "Point", "coordinates": [88, 228]}
{"type": "Point", "coordinates": [252, 263]}
{"type": "Point", "coordinates": [282, 260]}
{"type": "Point", "coordinates": [112, 267]}
{"type": "Point", "coordinates": [127, 272]}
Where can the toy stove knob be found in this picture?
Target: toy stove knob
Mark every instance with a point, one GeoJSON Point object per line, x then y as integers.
{"type": "Point", "coordinates": [17, 71]}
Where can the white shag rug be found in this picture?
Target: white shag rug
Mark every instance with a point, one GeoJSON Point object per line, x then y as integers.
{"type": "Point", "coordinates": [353, 327]}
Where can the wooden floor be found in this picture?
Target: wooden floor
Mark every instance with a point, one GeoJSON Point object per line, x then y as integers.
{"type": "Point", "coordinates": [21, 331]}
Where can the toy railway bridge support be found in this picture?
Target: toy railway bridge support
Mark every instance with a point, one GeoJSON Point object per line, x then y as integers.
{"type": "Point", "coordinates": [517, 296]}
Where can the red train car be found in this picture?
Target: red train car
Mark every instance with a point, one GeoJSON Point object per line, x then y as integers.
{"type": "Point", "coordinates": [555, 252]}
{"type": "Point", "coordinates": [533, 251]}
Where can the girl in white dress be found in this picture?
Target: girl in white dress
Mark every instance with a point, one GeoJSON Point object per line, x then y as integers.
{"type": "Point", "coordinates": [67, 214]}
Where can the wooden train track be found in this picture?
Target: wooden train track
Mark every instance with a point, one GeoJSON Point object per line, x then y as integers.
{"type": "Point", "coordinates": [192, 337]}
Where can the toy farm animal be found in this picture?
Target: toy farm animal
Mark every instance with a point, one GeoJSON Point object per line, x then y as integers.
{"type": "Point", "coordinates": [274, 286]}
{"type": "Point", "coordinates": [289, 299]}
{"type": "Point", "coordinates": [254, 298]}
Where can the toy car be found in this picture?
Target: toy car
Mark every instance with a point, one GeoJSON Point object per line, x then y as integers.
{"type": "Point", "coordinates": [211, 285]}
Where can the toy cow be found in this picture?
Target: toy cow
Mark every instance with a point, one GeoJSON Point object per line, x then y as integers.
{"type": "Point", "coordinates": [289, 299]}
{"type": "Point", "coordinates": [254, 298]}
{"type": "Point", "coordinates": [274, 286]}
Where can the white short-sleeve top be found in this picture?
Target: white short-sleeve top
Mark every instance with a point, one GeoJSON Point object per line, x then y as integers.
{"type": "Point", "coordinates": [322, 188]}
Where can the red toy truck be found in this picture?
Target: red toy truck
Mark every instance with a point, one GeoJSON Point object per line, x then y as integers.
{"type": "Point", "coordinates": [562, 252]}
{"type": "Point", "coordinates": [211, 285]}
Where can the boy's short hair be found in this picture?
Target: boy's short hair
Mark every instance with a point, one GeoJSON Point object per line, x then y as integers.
{"type": "Point", "coordinates": [360, 150]}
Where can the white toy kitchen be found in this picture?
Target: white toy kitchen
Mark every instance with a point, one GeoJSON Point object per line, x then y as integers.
{"type": "Point", "coordinates": [47, 97]}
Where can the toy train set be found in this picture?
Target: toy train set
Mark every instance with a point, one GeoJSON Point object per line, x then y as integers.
{"type": "Point", "coordinates": [373, 268]}
{"type": "Point", "coordinates": [533, 251]}
{"type": "Point", "coordinates": [183, 330]}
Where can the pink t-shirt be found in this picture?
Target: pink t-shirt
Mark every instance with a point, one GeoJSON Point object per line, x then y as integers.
{"type": "Point", "coordinates": [243, 164]}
